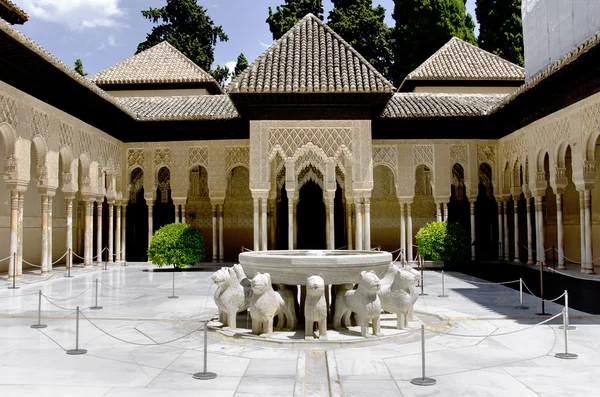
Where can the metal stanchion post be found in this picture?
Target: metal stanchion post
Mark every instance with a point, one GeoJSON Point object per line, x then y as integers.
{"type": "Point", "coordinates": [77, 351]}
{"type": "Point", "coordinates": [422, 278]}
{"type": "Point", "coordinates": [543, 312]}
{"type": "Point", "coordinates": [205, 375]}
{"type": "Point", "coordinates": [96, 307]}
{"type": "Point", "coordinates": [39, 323]}
{"type": "Point", "coordinates": [173, 294]}
{"type": "Point", "coordinates": [443, 295]}
{"type": "Point", "coordinates": [569, 327]}
{"type": "Point", "coordinates": [521, 307]}
{"type": "Point", "coordinates": [423, 380]}
{"type": "Point", "coordinates": [566, 354]}
{"type": "Point", "coordinates": [69, 263]}
{"type": "Point", "coordinates": [14, 283]}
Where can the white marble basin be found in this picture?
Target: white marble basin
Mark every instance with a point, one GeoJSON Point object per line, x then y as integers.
{"type": "Point", "coordinates": [293, 267]}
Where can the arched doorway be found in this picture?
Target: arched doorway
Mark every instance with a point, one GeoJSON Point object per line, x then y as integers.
{"type": "Point", "coordinates": [311, 217]}
{"type": "Point", "coordinates": [136, 234]}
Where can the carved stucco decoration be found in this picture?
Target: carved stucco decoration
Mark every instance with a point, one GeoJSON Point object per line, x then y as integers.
{"type": "Point", "coordinates": [164, 184]}
{"type": "Point", "coordinates": [591, 127]}
{"type": "Point", "coordinates": [310, 173]}
{"type": "Point", "coordinates": [180, 175]}
{"type": "Point", "coordinates": [8, 111]}
{"type": "Point", "coordinates": [85, 143]}
{"type": "Point", "coordinates": [136, 184]}
{"type": "Point", "coordinates": [486, 154]}
{"type": "Point", "coordinates": [236, 156]}
{"type": "Point", "coordinates": [459, 154]}
{"type": "Point", "coordinates": [238, 204]}
{"type": "Point", "coordinates": [423, 154]}
{"type": "Point", "coordinates": [198, 189]}
{"type": "Point", "coordinates": [65, 136]}
{"type": "Point", "coordinates": [331, 140]}
{"type": "Point", "coordinates": [162, 157]}
{"type": "Point", "coordinates": [386, 155]}
{"type": "Point", "coordinates": [198, 156]}
{"type": "Point", "coordinates": [40, 124]}
{"type": "Point", "coordinates": [135, 158]}
{"type": "Point", "coordinates": [385, 210]}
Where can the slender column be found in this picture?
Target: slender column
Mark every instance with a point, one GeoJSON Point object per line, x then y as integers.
{"type": "Point", "coordinates": [349, 223]}
{"type": "Point", "coordinates": [290, 222]}
{"type": "Point", "coordinates": [438, 211]}
{"type": "Point", "coordinates": [117, 234]}
{"type": "Point", "coordinates": [516, 228]}
{"type": "Point", "coordinates": [587, 197]}
{"type": "Point", "coordinates": [263, 224]}
{"type": "Point", "coordinates": [123, 231]}
{"type": "Point", "coordinates": [560, 231]}
{"type": "Point", "coordinates": [359, 224]}
{"type": "Point", "coordinates": [445, 211]}
{"type": "Point", "coordinates": [529, 230]}
{"type": "Point", "coordinates": [150, 220]}
{"type": "Point", "coordinates": [472, 208]}
{"type": "Point", "coordinates": [367, 233]}
{"type": "Point", "coordinates": [256, 224]}
{"type": "Point", "coordinates": [14, 231]}
{"type": "Point", "coordinates": [111, 233]}
{"type": "Point", "coordinates": [327, 208]}
{"type": "Point", "coordinates": [505, 229]}
{"type": "Point", "coordinates": [296, 223]}
{"type": "Point", "coordinates": [45, 267]}
{"type": "Point", "coordinates": [409, 233]}
{"type": "Point", "coordinates": [50, 221]}
{"type": "Point", "coordinates": [215, 244]}
{"type": "Point", "coordinates": [183, 213]}
{"type": "Point", "coordinates": [500, 234]}
{"type": "Point", "coordinates": [20, 237]}
{"type": "Point", "coordinates": [220, 214]}
{"type": "Point", "coordinates": [99, 230]}
{"type": "Point", "coordinates": [176, 213]}
{"type": "Point", "coordinates": [332, 221]}
{"type": "Point", "coordinates": [541, 257]}
{"type": "Point", "coordinates": [582, 229]}
{"type": "Point", "coordinates": [272, 222]}
{"type": "Point", "coordinates": [89, 235]}
{"type": "Point", "coordinates": [402, 232]}
{"type": "Point", "coordinates": [69, 231]}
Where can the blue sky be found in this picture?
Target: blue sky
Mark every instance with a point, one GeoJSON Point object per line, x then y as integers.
{"type": "Point", "coordinates": [105, 32]}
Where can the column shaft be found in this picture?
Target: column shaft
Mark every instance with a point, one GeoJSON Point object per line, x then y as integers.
{"type": "Point", "coordinates": [69, 232]}
{"type": "Point", "coordinates": [117, 234]}
{"type": "Point", "coordinates": [327, 209]}
{"type": "Point", "coordinates": [438, 211]}
{"type": "Point", "coordinates": [505, 229]}
{"type": "Point", "coordinates": [256, 224]}
{"type": "Point", "coordinates": [529, 231]}
{"type": "Point", "coordinates": [582, 230]}
{"type": "Point", "coordinates": [349, 224]}
{"type": "Point", "coordinates": [359, 224]}
{"type": "Point", "coordinates": [296, 223]}
{"type": "Point", "coordinates": [409, 233]}
{"type": "Point", "coordinates": [500, 234]}
{"type": "Point", "coordinates": [44, 259]}
{"type": "Point", "coordinates": [215, 241]}
{"type": "Point", "coordinates": [14, 233]}
{"type": "Point", "coordinates": [50, 221]}
{"type": "Point", "coordinates": [183, 213]}
{"type": "Point", "coordinates": [402, 234]}
{"type": "Point", "coordinates": [540, 230]}
{"type": "Point", "coordinates": [587, 196]}
{"type": "Point", "coordinates": [290, 223]}
{"type": "Point", "coordinates": [445, 211]}
{"type": "Point", "coordinates": [88, 234]}
{"type": "Point", "coordinates": [20, 237]}
{"type": "Point", "coordinates": [150, 220]}
{"type": "Point", "coordinates": [123, 232]}
{"type": "Point", "coordinates": [221, 214]}
{"type": "Point", "coordinates": [176, 213]}
{"type": "Point", "coordinates": [560, 231]}
{"type": "Point", "coordinates": [516, 228]}
{"type": "Point", "coordinates": [111, 235]}
{"type": "Point", "coordinates": [263, 224]}
{"type": "Point", "coordinates": [367, 234]}
{"type": "Point", "coordinates": [472, 208]}
{"type": "Point", "coordinates": [99, 247]}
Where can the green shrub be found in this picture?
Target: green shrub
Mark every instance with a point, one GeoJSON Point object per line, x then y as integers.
{"type": "Point", "coordinates": [441, 241]}
{"type": "Point", "coordinates": [177, 244]}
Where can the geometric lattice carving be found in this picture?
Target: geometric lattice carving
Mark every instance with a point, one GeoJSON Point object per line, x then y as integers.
{"type": "Point", "coordinates": [239, 183]}
{"type": "Point", "coordinates": [385, 154]}
{"type": "Point", "coordinates": [238, 205]}
{"type": "Point", "coordinates": [65, 136]}
{"type": "Point", "coordinates": [135, 158]}
{"type": "Point", "coordinates": [423, 154]}
{"type": "Point", "coordinates": [198, 184]}
{"type": "Point", "coordinates": [340, 177]}
{"type": "Point", "coordinates": [164, 184]}
{"type": "Point", "coordinates": [162, 157]}
{"type": "Point", "coordinates": [237, 155]}
{"type": "Point", "coordinates": [114, 157]}
{"type": "Point", "coordinates": [561, 130]}
{"type": "Point", "coordinates": [198, 156]}
{"type": "Point", "coordinates": [103, 152]}
{"type": "Point", "coordinates": [383, 182]}
{"type": "Point", "coordinates": [40, 124]}
{"type": "Point", "coordinates": [85, 142]}
{"type": "Point", "coordinates": [308, 174]}
{"type": "Point", "coordinates": [591, 119]}
{"type": "Point", "coordinates": [8, 111]}
{"type": "Point", "coordinates": [328, 139]}
{"type": "Point", "coordinates": [307, 159]}
{"type": "Point", "coordinates": [486, 154]}
{"type": "Point", "coordinates": [459, 154]}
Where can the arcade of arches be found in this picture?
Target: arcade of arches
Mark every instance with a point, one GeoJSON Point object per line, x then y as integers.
{"type": "Point", "coordinates": [69, 187]}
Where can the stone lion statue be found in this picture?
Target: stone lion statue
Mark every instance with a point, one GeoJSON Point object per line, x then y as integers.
{"type": "Point", "coordinates": [400, 297]}
{"type": "Point", "coordinates": [363, 302]}
{"type": "Point", "coordinates": [286, 319]}
{"type": "Point", "coordinates": [266, 303]}
{"type": "Point", "coordinates": [315, 308]}
{"type": "Point", "coordinates": [230, 296]}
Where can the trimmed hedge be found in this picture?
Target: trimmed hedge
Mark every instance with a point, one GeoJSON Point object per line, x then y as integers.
{"type": "Point", "coordinates": [177, 244]}
{"type": "Point", "coordinates": [441, 241]}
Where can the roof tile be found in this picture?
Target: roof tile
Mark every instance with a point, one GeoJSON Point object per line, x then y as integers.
{"type": "Point", "coordinates": [196, 107]}
{"type": "Point", "coordinates": [424, 104]}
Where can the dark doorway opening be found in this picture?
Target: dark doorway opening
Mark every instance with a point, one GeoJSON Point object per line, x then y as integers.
{"type": "Point", "coordinates": [310, 217]}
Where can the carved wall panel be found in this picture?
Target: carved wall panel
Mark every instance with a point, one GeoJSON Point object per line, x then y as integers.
{"type": "Point", "coordinates": [237, 155]}
{"type": "Point", "coordinates": [40, 124]}
{"type": "Point", "coordinates": [8, 111]}
{"type": "Point", "coordinates": [198, 156]}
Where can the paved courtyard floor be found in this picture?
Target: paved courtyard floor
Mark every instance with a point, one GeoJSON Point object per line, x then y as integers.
{"type": "Point", "coordinates": [143, 344]}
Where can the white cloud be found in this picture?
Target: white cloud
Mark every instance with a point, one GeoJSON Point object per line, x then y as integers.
{"type": "Point", "coordinates": [264, 45]}
{"type": "Point", "coordinates": [231, 66]}
{"type": "Point", "coordinates": [76, 14]}
{"type": "Point", "coordinates": [110, 42]}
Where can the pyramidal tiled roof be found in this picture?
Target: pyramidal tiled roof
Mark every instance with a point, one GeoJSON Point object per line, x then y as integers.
{"type": "Point", "coordinates": [459, 60]}
{"type": "Point", "coordinates": [162, 63]}
{"type": "Point", "coordinates": [20, 16]}
{"type": "Point", "coordinates": [198, 107]}
{"type": "Point", "coordinates": [424, 104]}
{"type": "Point", "coordinates": [310, 57]}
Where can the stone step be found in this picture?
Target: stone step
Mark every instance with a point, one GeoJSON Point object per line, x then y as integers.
{"type": "Point", "coordinates": [316, 375]}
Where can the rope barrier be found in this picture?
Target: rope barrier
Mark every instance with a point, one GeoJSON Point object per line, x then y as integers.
{"type": "Point", "coordinates": [547, 300]}
{"type": "Point", "coordinates": [480, 282]}
{"type": "Point", "coordinates": [59, 259]}
{"type": "Point", "coordinates": [246, 249]}
{"type": "Point", "coordinates": [69, 298]}
{"type": "Point", "coordinates": [555, 299]}
{"type": "Point", "coordinates": [38, 281]}
{"type": "Point", "coordinates": [31, 264]}
{"type": "Point", "coordinates": [49, 337]}
{"type": "Point", "coordinates": [80, 257]}
{"type": "Point", "coordinates": [137, 343]}
{"type": "Point", "coordinates": [54, 304]}
{"type": "Point", "coordinates": [570, 275]}
{"type": "Point", "coordinates": [8, 257]}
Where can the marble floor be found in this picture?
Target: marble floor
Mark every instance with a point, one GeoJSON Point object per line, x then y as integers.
{"type": "Point", "coordinates": [141, 343]}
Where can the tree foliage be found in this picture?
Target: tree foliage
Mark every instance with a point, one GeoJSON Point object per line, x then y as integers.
{"type": "Point", "coordinates": [187, 27]}
{"type": "Point", "coordinates": [423, 26]}
{"type": "Point", "coordinates": [79, 67]}
{"type": "Point", "coordinates": [363, 27]}
{"type": "Point", "coordinates": [177, 244]}
{"type": "Point", "coordinates": [288, 14]}
{"type": "Point", "coordinates": [443, 241]}
{"type": "Point", "coordinates": [240, 66]}
{"type": "Point", "coordinates": [221, 74]}
{"type": "Point", "coordinates": [501, 28]}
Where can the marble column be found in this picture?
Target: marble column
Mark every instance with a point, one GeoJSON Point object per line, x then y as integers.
{"type": "Point", "coordinates": [123, 258]}
{"type": "Point", "coordinates": [438, 211]}
{"type": "Point", "coordinates": [183, 214]}
{"type": "Point", "coordinates": [50, 222]}
{"type": "Point", "coordinates": [331, 221]}
{"type": "Point", "coordinates": [529, 231]}
{"type": "Point", "coordinates": [220, 215]}
{"type": "Point", "coordinates": [402, 234]}
{"type": "Point", "coordinates": [44, 259]}
{"type": "Point", "coordinates": [516, 228]}
{"type": "Point", "coordinates": [587, 198]}
{"type": "Point", "coordinates": [215, 241]}
{"type": "Point", "coordinates": [176, 213]}
{"type": "Point", "coordinates": [99, 246]}
{"type": "Point", "coordinates": [359, 224]}
{"type": "Point", "coordinates": [150, 220]}
{"type": "Point", "coordinates": [500, 234]}
{"type": "Point", "coordinates": [445, 211]}
{"type": "Point", "coordinates": [349, 223]}
{"type": "Point", "coordinates": [367, 220]}
{"type": "Point", "coordinates": [272, 222]}
{"type": "Point", "coordinates": [472, 209]}
{"type": "Point", "coordinates": [256, 224]}
{"type": "Point", "coordinates": [88, 233]}
{"type": "Point", "coordinates": [560, 231]}
{"type": "Point", "coordinates": [541, 254]}
{"type": "Point", "coordinates": [20, 236]}
{"type": "Point", "coordinates": [14, 233]}
{"type": "Point", "coordinates": [296, 223]}
{"type": "Point", "coordinates": [69, 231]}
{"type": "Point", "coordinates": [117, 234]}
{"type": "Point", "coordinates": [582, 230]}
{"type": "Point", "coordinates": [505, 229]}
{"type": "Point", "coordinates": [409, 233]}
{"type": "Point", "coordinates": [263, 224]}
{"type": "Point", "coordinates": [290, 222]}
{"type": "Point", "coordinates": [111, 233]}
{"type": "Point", "coordinates": [327, 209]}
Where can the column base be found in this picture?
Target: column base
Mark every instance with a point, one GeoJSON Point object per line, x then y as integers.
{"type": "Point", "coordinates": [96, 264]}
{"type": "Point", "coordinates": [10, 278]}
{"type": "Point", "coordinates": [46, 273]}
{"type": "Point", "coordinates": [530, 262]}
{"type": "Point", "coordinates": [561, 267]}
{"type": "Point", "coordinates": [587, 271]}
{"type": "Point", "coordinates": [517, 261]}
